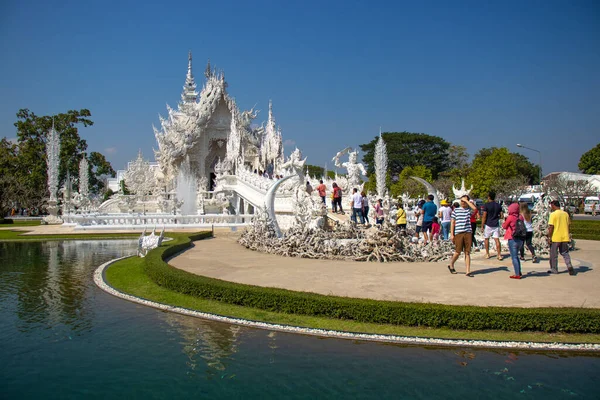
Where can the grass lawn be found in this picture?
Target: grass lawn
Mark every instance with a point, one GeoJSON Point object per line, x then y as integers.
{"type": "Point", "coordinates": [128, 276]}
{"type": "Point", "coordinates": [12, 235]}
{"type": "Point", "coordinates": [20, 223]}
{"type": "Point", "coordinates": [585, 229]}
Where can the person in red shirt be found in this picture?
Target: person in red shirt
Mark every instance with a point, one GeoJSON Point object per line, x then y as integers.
{"type": "Point", "coordinates": [322, 191]}
{"type": "Point", "coordinates": [435, 229]}
{"type": "Point", "coordinates": [474, 217]}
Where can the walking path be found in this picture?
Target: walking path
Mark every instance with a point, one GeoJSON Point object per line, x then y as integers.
{"type": "Point", "coordinates": [223, 258]}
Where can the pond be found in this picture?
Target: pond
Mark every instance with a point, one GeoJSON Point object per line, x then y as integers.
{"type": "Point", "coordinates": [62, 337]}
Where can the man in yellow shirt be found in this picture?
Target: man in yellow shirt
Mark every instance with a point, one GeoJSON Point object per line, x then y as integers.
{"type": "Point", "coordinates": [558, 238]}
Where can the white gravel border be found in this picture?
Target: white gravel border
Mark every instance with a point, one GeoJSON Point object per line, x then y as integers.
{"type": "Point", "coordinates": [100, 281]}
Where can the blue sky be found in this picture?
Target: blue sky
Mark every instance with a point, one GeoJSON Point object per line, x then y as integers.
{"type": "Point", "coordinates": [478, 74]}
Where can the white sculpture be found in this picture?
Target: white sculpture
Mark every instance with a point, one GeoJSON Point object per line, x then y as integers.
{"type": "Point", "coordinates": [83, 201]}
{"type": "Point", "coordinates": [295, 164]}
{"type": "Point", "coordinates": [458, 193]}
{"type": "Point", "coordinates": [381, 162]}
{"type": "Point", "coordinates": [271, 150]}
{"type": "Point", "coordinates": [52, 163]}
{"type": "Point", "coordinates": [147, 243]}
{"type": "Point", "coordinates": [353, 168]}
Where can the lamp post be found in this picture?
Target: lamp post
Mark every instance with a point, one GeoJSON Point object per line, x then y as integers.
{"type": "Point", "coordinates": [539, 152]}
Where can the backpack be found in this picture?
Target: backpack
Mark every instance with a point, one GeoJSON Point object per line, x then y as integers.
{"type": "Point", "coordinates": [520, 229]}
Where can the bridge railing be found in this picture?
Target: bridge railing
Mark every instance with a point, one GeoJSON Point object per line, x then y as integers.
{"type": "Point", "coordinates": [135, 220]}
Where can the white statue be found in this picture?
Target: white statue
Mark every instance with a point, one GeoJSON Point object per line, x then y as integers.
{"type": "Point", "coordinates": [295, 164]}
{"type": "Point", "coordinates": [353, 168]}
{"type": "Point", "coordinates": [147, 243]}
{"type": "Point", "coordinates": [458, 193]}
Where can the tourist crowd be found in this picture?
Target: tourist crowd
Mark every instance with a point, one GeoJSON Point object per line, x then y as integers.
{"type": "Point", "coordinates": [457, 223]}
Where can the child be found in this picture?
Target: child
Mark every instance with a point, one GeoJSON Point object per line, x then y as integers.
{"type": "Point", "coordinates": [435, 229]}
{"type": "Point", "coordinates": [379, 211]}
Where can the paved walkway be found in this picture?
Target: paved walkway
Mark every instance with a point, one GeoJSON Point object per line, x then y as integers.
{"type": "Point", "coordinates": [223, 258]}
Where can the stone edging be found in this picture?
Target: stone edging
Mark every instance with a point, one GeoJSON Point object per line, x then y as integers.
{"type": "Point", "coordinates": [100, 281]}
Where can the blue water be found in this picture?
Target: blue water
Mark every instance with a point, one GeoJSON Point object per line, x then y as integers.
{"type": "Point", "coordinates": [61, 337]}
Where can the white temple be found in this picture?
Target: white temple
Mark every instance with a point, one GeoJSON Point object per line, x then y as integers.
{"type": "Point", "coordinates": [208, 128]}
{"type": "Point", "coordinates": [214, 167]}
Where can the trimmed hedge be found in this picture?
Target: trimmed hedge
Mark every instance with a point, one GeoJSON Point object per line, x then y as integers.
{"type": "Point", "coordinates": [585, 229]}
{"type": "Point", "coordinates": [570, 320]}
{"type": "Point", "coordinates": [6, 221]}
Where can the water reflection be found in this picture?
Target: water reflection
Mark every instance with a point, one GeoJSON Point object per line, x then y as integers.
{"type": "Point", "coordinates": [206, 344]}
{"type": "Point", "coordinates": [50, 291]}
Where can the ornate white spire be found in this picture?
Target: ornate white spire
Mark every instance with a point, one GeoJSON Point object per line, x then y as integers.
{"type": "Point", "coordinates": [84, 177]}
{"type": "Point", "coordinates": [207, 71]}
{"type": "Point", "coordinates": [272, 146]}
{"type": "Point", "coordinates": [52, 161]}
{"type": "Point", "coordinates": [381, 162]}
{"type": "Point", "coordinates": [189, 94]}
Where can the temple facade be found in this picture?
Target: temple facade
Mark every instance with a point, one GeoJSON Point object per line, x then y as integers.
{"type": "Point", "coordinates": [207, 129]}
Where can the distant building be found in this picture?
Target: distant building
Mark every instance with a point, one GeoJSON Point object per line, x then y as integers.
{"type": "Point", "coordinates": [593, 180]}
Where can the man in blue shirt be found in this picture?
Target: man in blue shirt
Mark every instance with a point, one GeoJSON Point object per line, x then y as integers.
{"type": "Point", "coordinates": [429, 211]}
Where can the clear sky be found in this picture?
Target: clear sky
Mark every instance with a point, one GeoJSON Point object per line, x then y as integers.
{"type": "Point", "coordinates": [478, 74]}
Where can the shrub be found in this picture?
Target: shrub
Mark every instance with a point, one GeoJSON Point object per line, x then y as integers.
{"type": "Point", "coordinates": [6, 221]}
{"type": "Point", "coordinates": [571, 320]}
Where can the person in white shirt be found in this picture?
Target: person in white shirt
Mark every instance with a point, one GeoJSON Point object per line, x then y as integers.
{"type": "Point", "coordinates": [357, 204]}
{"type": "Point", "coordinates": [444, 214]}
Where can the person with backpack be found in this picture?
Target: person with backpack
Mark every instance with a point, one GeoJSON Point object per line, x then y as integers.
{"type": "Point", "coordinates": [516, 233]}
{"type": "Point", "coordinates": [526, 214]}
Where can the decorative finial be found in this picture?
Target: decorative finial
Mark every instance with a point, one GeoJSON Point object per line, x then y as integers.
{"type": "Point", "coordinates": [207, 70]}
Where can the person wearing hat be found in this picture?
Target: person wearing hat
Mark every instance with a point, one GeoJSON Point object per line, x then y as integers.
{"type": "Point", "coordinates": [445, 214]}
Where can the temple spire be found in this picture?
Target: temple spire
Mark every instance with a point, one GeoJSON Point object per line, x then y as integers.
{"type": "Point", "coordinates": [189, 94]}
{"type": "Point", "coordinates": [207, 71]}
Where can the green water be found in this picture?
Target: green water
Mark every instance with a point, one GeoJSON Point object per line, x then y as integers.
{"type": "Point", "coordinates": [61, 337]}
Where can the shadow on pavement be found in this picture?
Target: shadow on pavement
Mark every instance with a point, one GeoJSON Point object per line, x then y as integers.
{"type": "Point", "coordinates": [489, 270]}
{"type": "Point", "coordinates": [578, 270]}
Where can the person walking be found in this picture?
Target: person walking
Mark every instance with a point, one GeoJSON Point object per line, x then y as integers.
{"type": "Point", "coordinates": [445, 214]}
{"type": "Point", "coordinates": [337, 198]}
{"type": "Point", "coordinates": [357, 206]}
{"type": "Point", "coordinates": [379, 212]}
{"type": "Point", "coordinates": [322, 189]}
{"type": "Point", "coordinates": [474, 216]}
{"type": "Point", "coordinates": [558, 238]}
{"type": "Point", "coordinates": [365, 207]}
{"type": "Point", "coordinates": [418, 213]}
{"type": "Point", "coordinates": [515, 242]}
{"type": "Point", "coordinates": [429, 211]}
{"type": "Point", "coordinates": [490, 221]}
{"type": "Point", "coordinates": [460, 234]}
{"type": "Point", "coordinates": [526, 214]}
{"type": "Point", "coordinates": [309, 188]}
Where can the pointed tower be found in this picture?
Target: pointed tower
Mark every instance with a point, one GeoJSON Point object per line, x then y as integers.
{"type": "Point", "coordinates": [207, 71]}
{"type": "Point", "coordinates": [189, 95]}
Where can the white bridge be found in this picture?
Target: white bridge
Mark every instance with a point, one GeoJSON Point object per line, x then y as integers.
{"type": "Point", "coordinates": [246, 192]}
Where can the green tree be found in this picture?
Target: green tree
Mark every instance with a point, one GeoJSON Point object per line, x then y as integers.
{"type": "Point", "coordinates": [314, 171]}
{"type": "Point", "coordinates": [370, 185]}
{"type": "Point", "coordinates": [526, 169]}
{"type": "Point", "coordinates": [9, 184]}
{"type": "Point", "coordinates": [589, 163]}
{"type": "Point", "coordinates": [31, 134]}
{"type": "Point", "coordinates": [406, 149]}
{"type": "Point", "coordinates": [407, 185]}
{"type": "Point", "coordinates": [490, 167]}
{"type": "Point", "coordinates": [99, 168]}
